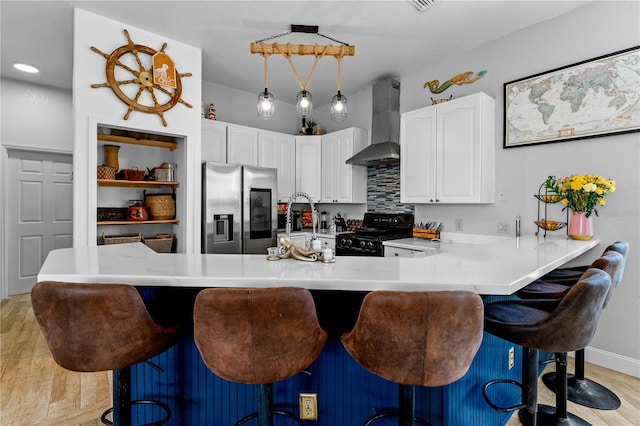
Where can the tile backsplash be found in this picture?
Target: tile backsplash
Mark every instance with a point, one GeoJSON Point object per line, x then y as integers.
{"type": "Point", "coordinates": [383, 191]}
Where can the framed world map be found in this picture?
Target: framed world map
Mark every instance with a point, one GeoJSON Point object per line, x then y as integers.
{"type": "Point", "coordinates": [593, 98]}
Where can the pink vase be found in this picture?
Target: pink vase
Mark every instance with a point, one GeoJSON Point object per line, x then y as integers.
{"type": "Point", "coordinates": [580, 226]}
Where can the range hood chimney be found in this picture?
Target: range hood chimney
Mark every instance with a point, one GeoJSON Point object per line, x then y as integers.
{"type": "Point", "coordinates": [385, 127]}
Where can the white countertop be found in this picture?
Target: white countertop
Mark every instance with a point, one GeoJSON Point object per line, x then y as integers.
{"type": "Point", "coordinates": [498, 266]}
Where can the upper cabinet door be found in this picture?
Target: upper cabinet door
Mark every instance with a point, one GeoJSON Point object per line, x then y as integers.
{"type": "Point", "coordinates": [418, 156]}
{"type": "Point", "coordinates": [278, 151]}
{"type": "Point", "coordinates": [341, 182]}
{"type": "Point", "coordinates": [242, 145]}
{"type": "Point", "coordinates": [459, 151]}
{"type": "Point", "coordinates": [308, 166]}
{"type": "Point", "coordinates": [214, 141]}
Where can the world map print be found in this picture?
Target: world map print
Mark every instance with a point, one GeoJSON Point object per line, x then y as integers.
{"type": "Point", "coordinates": [593, 98]}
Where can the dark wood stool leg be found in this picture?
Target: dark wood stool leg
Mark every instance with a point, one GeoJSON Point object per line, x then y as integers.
{"type": "Point", "coordinates": [405, 405]}
{"type": "Point", "coordinates": [559, 415]}
{"type": "Point", "coordinates": [122, 397]}
{"type": "Point", "coordinates": [265, 404]}
{"type": "Point", "coordinates": [528, 415]}
{"type": "Point", "coordinates": [584, 391]}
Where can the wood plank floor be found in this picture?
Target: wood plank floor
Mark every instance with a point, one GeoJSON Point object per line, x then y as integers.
{"type": "Point", "coordinates": [34, 390]}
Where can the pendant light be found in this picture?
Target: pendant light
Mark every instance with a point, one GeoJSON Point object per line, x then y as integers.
{"type": "Point", "coordinates": [339, 101]}
{"type": "Point", "coordinates": [266, 104]}
{"type": "Point", "coordinates": [304, 106]}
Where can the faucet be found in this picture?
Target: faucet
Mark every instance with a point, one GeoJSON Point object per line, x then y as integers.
{"type": "Point", "coordinates": [314, 213]}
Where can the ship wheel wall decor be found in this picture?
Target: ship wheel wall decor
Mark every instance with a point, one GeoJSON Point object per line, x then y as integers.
{"type": "Point", "coordinates": [129, 72]}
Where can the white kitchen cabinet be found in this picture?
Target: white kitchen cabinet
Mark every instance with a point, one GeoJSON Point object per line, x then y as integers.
{"type": "Point", "coordinates": [278, 150]}
{"type": "Point", "coordinates": [402, 252]}
{"type": "Point", "coordinates": [214, 141]}
{"type": "Point", "coordinates": [447, 152]}
{"type": "Point", "coordinates": [308, 165]}
{"type": "Point", "coordinates": [341, 182]}
{"type": "Point", "coordinates": [242, 145]}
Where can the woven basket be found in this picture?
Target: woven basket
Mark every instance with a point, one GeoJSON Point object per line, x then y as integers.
{"type": "Point", "coordinates": [161, 206]}
{"type": "Point", "coordinates": [106, 214]}
{"type": "Point", "coordinates": [133, 174]}
{"type": "Point", "coordinates": [106, 172]}
{"type": "Point", "coordinates": [159, 245]}
{"type": "Point", "coordinates": [121, 239]}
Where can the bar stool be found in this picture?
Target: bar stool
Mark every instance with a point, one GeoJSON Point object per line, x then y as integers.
{"type": "Point", "coordinates": [258, 336]}
{"type": "Point", "coordinates": [416, 339]}
{"type": "Point", "coordinates": [581, 390]}
{"type": "Point", "coordinates": [101, 327]}
{"type": "Point", "coordinates": [549, 325]}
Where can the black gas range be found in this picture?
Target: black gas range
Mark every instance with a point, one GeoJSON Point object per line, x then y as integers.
{"type": "Point", "coordinates": [376, 228]}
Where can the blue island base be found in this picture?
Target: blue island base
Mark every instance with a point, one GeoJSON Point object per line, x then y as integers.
{"type": "Point", "coordinates": [347, 393]}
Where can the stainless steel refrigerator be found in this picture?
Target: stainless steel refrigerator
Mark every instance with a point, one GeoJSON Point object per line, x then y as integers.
{"type": "Point", "coordinates": [238, 208]}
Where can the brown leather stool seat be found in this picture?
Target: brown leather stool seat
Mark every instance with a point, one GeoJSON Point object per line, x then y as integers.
{"type": "Point", "coordinates": [258, 336]}
{"type": "Point", "coordinates": [416, 338]}
{"type": "Point", "coordinates": [549, 325]}
{"type": "Point", "coordinates": [101, 327]}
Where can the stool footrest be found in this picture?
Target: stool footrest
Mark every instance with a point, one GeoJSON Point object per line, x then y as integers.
{"type": "Point", "coordinates": [379, 416]}
{"type": "Point", "coordinates": [279, 412]}
{"type": "Point", "coordinates": [159, 404]}
{"type": "Point", "coordinates": [497, 407]}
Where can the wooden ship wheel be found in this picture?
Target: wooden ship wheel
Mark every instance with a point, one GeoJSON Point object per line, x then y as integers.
{"type": "Point", "coordinates": [130, 75]}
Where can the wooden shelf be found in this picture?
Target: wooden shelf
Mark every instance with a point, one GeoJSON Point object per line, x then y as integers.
{"type": "Point", "coordinates": [171, 146]}
{"type": "Point", "coordinates": [137, 222]}
{"type": "Point", "coordinates": [136, 183]}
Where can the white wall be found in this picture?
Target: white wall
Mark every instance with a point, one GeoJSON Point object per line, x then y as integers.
{"type": "Point", "coordinates": [36, 117]}
{"type": "Point", "coordinates": [578, 36]}
{"type": "Point", "coordinates": [92, 106]}
{"type": "Point", "coordinates": [239, 107]}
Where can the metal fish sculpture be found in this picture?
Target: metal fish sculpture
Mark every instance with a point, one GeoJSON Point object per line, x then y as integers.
{"type": "Point", "coordinates": [463, 78]}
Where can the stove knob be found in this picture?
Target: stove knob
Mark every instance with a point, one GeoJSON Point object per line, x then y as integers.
{"type": "Point", "coordinates": [363, 244]}
{"type": "Point", "coordinates": [347, 242]}
{"type": "Point", "coordinates": [370, 244]}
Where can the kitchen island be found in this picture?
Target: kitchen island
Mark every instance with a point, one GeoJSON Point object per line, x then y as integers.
{"type": "Point", "coordinates": [487, 265]}
{"type": "Point", "coordinates": [494, 267]}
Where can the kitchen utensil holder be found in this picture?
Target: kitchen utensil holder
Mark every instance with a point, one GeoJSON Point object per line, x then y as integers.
{"type": "Point", "coordinates": [428, 234]}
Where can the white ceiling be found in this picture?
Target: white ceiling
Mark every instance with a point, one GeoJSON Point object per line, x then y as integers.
{"type": "Point", "coordinates": [391, 37]}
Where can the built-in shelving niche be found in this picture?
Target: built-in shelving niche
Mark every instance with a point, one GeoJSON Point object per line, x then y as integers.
{"type": "Point", "coordinates": [142, 150]}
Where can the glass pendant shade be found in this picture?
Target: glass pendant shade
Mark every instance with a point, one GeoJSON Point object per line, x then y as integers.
{"type": "Point", "coordinates": [266, 105]}
{"type": "Point", "coordinates": [303, 103]}
{"type": "Point", "coordinates": [339, 107]}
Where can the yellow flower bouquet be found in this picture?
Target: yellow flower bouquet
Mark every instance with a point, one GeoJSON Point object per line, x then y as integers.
{"type": "Point", "coordinates": [582, 193]}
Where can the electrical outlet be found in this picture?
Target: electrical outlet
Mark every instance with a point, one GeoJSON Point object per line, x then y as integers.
{"type": "Point", "coordinates": [458, 224]}
{"type": "Point", "coordinates": [309, 406]}
{"type": "Point", "coordinates": [512, 357]}
{"type": "Point", "coordinates": [504, 228]}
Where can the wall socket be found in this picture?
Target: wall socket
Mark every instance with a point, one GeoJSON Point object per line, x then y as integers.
{"type": "Point", "coordinates": [512, 357]}
{"type": "Point", "coordinates": [309, 406]}
{"type": "Point", "coordinates": [458, 224]}
{"type": "Point", "coordinates": [503, 228]}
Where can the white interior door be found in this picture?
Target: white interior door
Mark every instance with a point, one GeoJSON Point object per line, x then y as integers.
{"type": "Point", "coordinates": [39, 213]}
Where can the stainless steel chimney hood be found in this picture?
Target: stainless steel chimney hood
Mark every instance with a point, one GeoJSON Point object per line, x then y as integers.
{"type": "Point", "coordinates": [385, 127]}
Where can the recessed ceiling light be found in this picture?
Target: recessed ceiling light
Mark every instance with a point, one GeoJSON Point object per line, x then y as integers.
{"type": "Point", "coordinates": [26, 68]}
